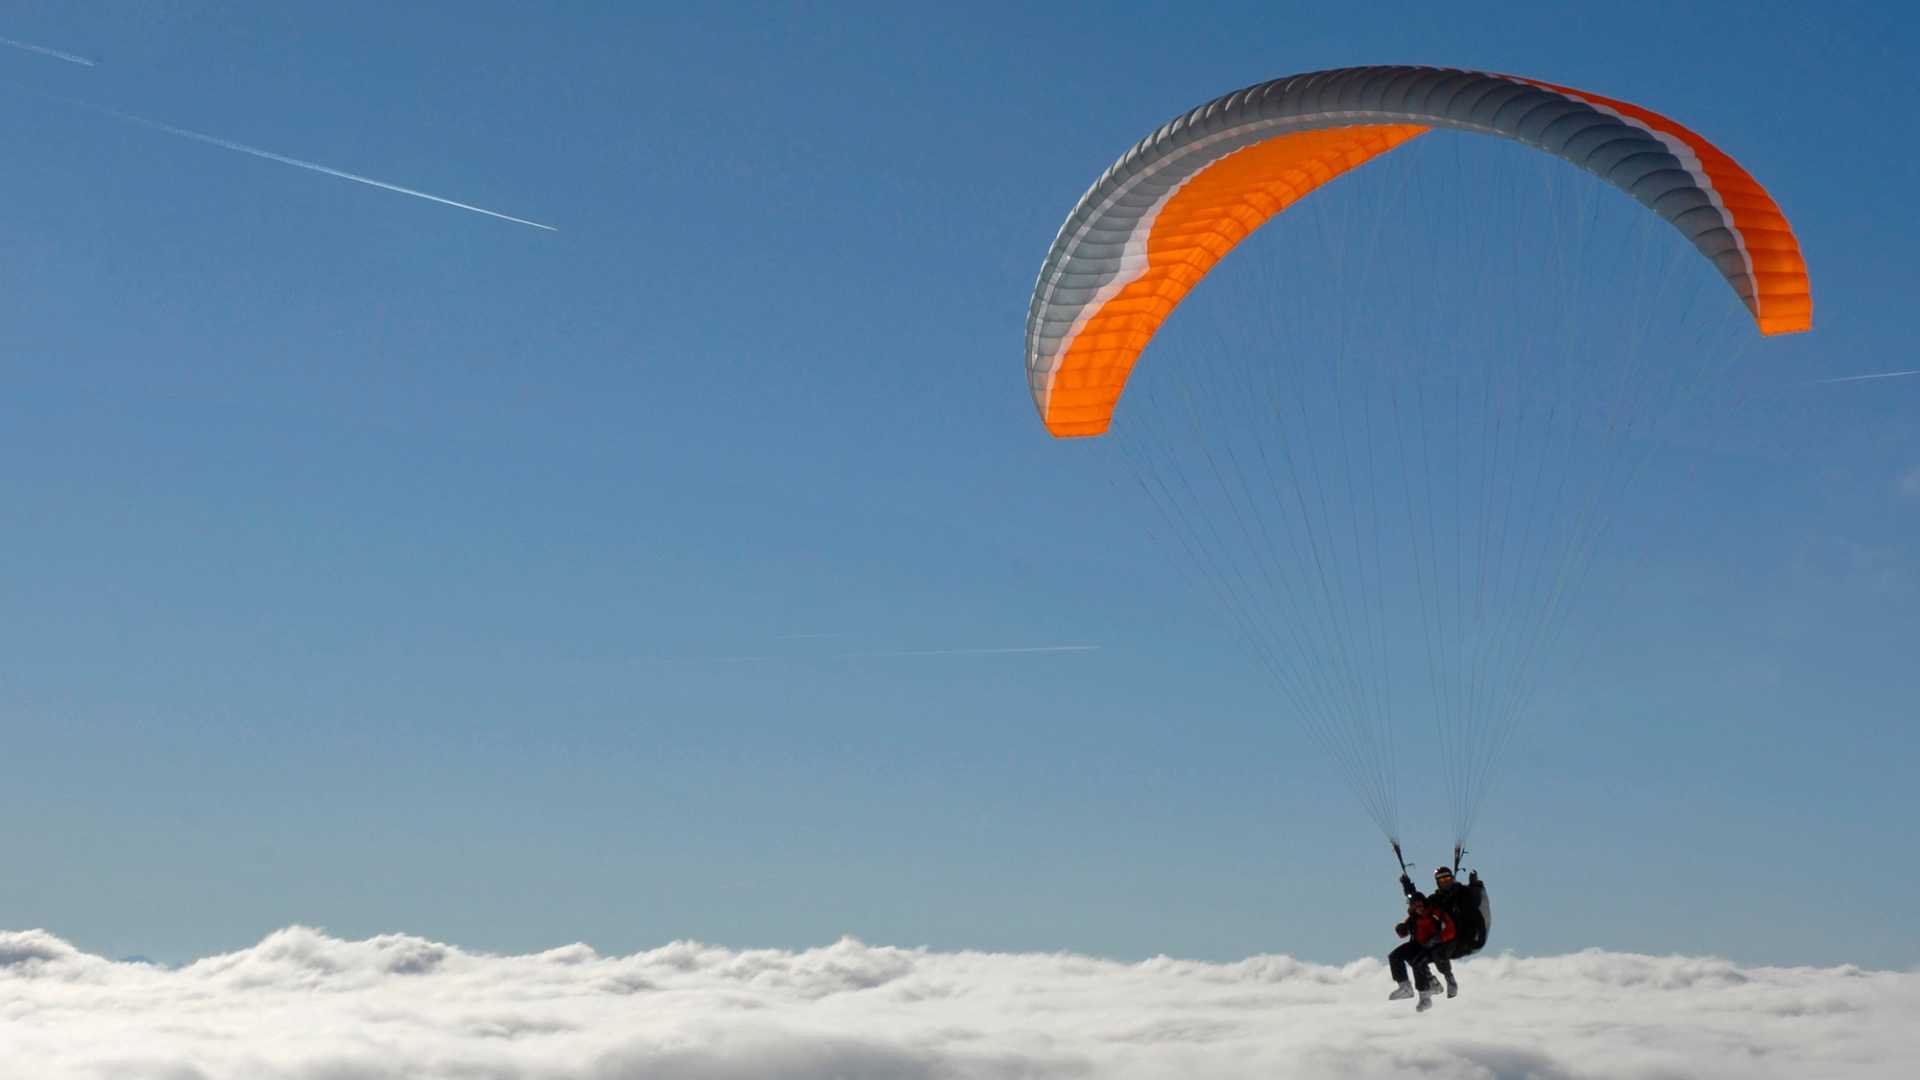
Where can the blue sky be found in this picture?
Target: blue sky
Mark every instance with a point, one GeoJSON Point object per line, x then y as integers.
{"type": "Point", "coordinates": [377, 565]}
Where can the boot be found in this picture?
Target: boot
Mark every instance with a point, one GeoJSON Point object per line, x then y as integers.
{"type": "Point", "coordinates": [1453, 988]}
{"type": "Point", "coordinates": [1404, 991]}
{"type": "Point", "coordinates": [1426, 1001]}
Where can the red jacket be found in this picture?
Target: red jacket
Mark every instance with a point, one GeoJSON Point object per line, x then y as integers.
{"type": "Point", "coordinates": [1429, 927]}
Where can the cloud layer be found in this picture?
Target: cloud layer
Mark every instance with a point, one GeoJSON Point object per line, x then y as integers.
{"type": "Point", "coordinates": [301, 1005]}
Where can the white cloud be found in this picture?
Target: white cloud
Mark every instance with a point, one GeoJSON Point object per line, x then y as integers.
{"type": "Point", "coordinates": [304, 1006]}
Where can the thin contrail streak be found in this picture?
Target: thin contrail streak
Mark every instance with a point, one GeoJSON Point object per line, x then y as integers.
{"type": "Point", "coordinates": [243, 148]}
{"type": "Point", "coordinates": [1861, 378]}
{"type": "Point", "coordinates": [971, 652]}
{"type": "Point", "coordinates": [29, 46]}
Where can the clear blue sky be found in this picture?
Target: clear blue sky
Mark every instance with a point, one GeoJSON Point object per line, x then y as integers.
{"type": "Point", "coordinates": [377, 565]}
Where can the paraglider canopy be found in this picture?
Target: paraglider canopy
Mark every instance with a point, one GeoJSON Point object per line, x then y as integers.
{"type": "Point", "coordinates": [1163, 214]}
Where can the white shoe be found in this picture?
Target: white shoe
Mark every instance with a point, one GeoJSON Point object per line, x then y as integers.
{"type": "Point", "coordinates": [1453, 988]}
{"type": "Point", "coordinates": [1426, 1001]}
{"type": "Point", "coordinates": [1405, 991]}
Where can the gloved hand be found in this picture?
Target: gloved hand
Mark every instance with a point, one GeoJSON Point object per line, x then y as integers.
{"type": "Point", "coordinates": [1406, 882]}
{"type": "Point", "coordinates": [1473, 877]}
{"type": "Point", "coordinates": [1400, 930]}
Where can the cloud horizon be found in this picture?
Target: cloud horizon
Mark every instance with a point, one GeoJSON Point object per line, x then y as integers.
{"type": "Point", "coordinates": [304, 1005]}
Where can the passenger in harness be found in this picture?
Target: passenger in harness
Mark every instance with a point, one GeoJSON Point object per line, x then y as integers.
{"type": "Point", "coordinates": [1426, 927]}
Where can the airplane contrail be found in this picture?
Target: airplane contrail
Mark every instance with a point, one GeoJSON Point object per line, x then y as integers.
{"type": "Point", "coordinates": [29, 46]}
{"type": "Point", "coordinates": [972, 652]}
{"type": "Point", "coordinates": [243, 148]}
{"type": "Point", "coordinates": [1861, 378]}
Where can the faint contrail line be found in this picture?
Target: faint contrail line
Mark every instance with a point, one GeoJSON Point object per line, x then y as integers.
{"type": "Point", "coordinates": [971, 652]}
{"type": "Point", "coordinates": [1860, 378]}
{"type": "Point", "coordinates": [29, 46]}
{"type": "Point", "coordinates": [243, 148]}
